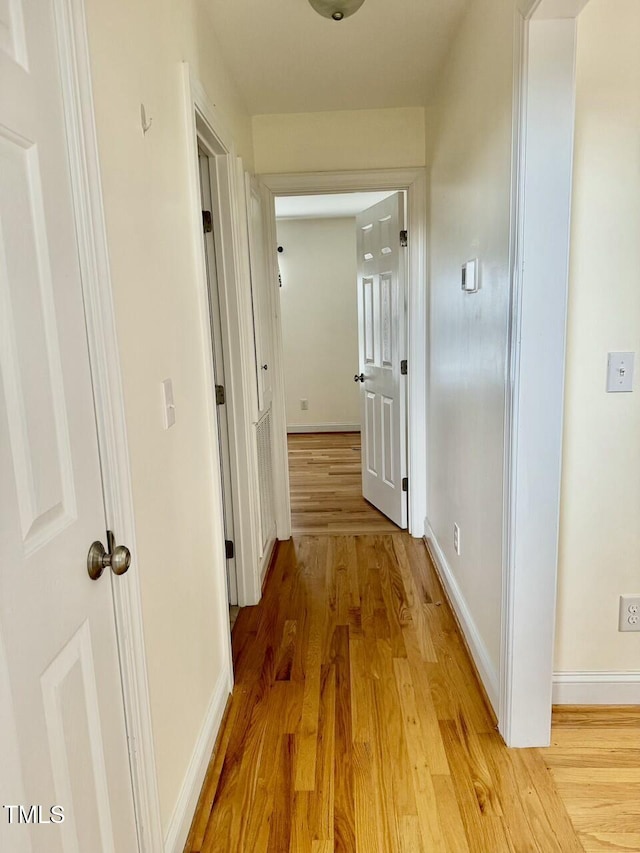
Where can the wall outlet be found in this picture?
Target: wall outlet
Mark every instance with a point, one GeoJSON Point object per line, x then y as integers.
{"type": "Point", "coordinates": [304, 404]}
{"type": "Point", "coordinates": [456, 539]}
{"type": "Point", "coordinates": [629, 619]}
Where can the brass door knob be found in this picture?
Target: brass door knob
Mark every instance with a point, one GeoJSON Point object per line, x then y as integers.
{"type": "Point", "coordinates": [119, 558]}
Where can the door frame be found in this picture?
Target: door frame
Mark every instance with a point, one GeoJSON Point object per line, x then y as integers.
{"type": "Point", "coordinates": [414, 183]}
{"type": "Point", "coordinates": [543, 123]}
{"type": "Point", "coordinates": [91, 235]}
{"type": "Point", "coordinates": [207, 129]}
{"type": "Point", "coordinates": [219, 355]}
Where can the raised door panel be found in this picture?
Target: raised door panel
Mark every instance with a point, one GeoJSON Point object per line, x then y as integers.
{"type": "Point", "coordinates": [12, 34]}
{"type": "Point", "coordinates": [30, 351]}
{"type": "Point", "coordinates": [369, 321]}
{"type": "Point", "coordinates": [72, 714]}
{"type": "Point", "coordinates": [386, 320]}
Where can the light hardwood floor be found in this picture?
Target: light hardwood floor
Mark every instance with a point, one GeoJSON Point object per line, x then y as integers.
{"type": "Point", "coordinates": [357, 724]}
{"type": "Point", "coordinates": [326, 486]}
{"type": "Point", "coordinates": [595, 763]}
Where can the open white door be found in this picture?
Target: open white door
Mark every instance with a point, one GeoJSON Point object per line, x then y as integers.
{"type": "Point", "coordinates": [62, 728]}
{"type": "Point", "coordinates": [260, 294]}
{"type": "Point", "coordinates": [262, 304]}
{"type": "Point", "coordinates": [381, 338]}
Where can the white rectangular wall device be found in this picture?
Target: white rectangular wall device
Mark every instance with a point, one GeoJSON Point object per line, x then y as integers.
{"type": "Point", "coordinates": [620, 371]}
{"type": "Point", "coordinates": [470, 276]}
{"type": "Point", "coordinates": [169, 409]}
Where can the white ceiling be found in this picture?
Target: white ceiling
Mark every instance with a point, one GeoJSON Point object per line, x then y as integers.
{"type": "Point", "coordinates": [285, 57]}
{"type": "Point", "coordinates": [326, 206]}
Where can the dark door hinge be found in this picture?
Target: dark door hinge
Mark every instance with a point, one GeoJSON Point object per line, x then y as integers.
{"type": "Point", "coordinates": [221, 397]}
{"type": "Point", "coordinates": [207, 221]}
{"type": "Point", "coordinates": [404, 239]}
{"type": "Point", "coordinates": [405, 484]}
{"type": "Point", "coordinates": [229, 550]}
{"type": "Point", "coordinates": [403, 367]}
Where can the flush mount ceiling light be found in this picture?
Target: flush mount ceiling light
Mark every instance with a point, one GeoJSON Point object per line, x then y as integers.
{"type": "Point", "coordinates": [336, 9]}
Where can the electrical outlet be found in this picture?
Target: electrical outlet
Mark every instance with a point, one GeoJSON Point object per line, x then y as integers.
{"type": "Point", "coordinates": [456, 539]}
{"type": "Point", "coordinates": [304, 405]}
{"type": "Point", "coordinates": [629, 619]}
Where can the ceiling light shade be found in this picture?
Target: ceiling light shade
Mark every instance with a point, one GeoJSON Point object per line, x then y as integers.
{"type": "Point", "coordinates": [336, 9]}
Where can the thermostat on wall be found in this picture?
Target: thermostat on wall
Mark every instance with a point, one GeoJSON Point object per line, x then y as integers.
{"type": "Point", "coordinates": [470, 276]}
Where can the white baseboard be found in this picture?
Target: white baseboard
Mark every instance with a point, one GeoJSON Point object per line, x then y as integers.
{"type": "Point", "coordinates": [266, 559]}
{"type": "Point", "coordinates": [296, 428]}
{"type": "Point", "coordinates": [596, 688]}
{"type": "Point", "coordinates": [184, 811]}
{"type": "Point", "coordinates": [487, 672]}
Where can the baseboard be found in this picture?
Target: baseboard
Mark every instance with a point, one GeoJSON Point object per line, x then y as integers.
{"type": "Point", "coordinates": [267, 562]}
{"type": "Point", "coordinates": [180, 823]}
{"type": "Point", "coordinates": [486, 671]}
{"type": "Point", "coordinates": [297, 428]}
{"type": "Point", "coordinates": [596, 688]}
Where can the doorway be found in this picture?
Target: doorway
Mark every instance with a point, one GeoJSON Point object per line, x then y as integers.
{"type": "Point", "coordinates": [323, 330]}
{"type": "Point", "coordinates": [413, 183]}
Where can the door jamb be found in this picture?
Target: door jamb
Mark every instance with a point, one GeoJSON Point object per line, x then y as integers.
{"type": "Point", "coordinates": [216, 303]}
{"type": "Point", "coordinates": [414, 182]}
{"type": "Point", "coordinates": [206, 127]}
{"type": "Point", "coordinates": [75, 72]}
{"type": "Point", "coordinates": [543, 119]}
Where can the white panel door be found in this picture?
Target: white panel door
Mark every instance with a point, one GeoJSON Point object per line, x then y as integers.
{"type": "Point", "coordinates": [62, 729]}
{"type": "Point", "coordinates": [381, 338]}
{"type": "Point", "coordinates": [260, 294]}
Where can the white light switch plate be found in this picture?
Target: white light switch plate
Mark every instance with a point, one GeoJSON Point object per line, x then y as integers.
{"type": "Point", "coordinates": [470, 276]}
{"type": "Point", "coordinates": [620, 371]}
{"type": "Point", "coordinates": [169, 409]}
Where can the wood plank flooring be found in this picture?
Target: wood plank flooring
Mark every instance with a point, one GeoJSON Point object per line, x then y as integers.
{"type": "Point", "coordinates": [357, 724]}
{"type": "Point", "coordinates": [594, 759]}
{"type": "Point", "coordinates": [326, 486]}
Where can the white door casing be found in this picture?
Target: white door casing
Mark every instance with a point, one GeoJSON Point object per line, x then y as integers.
{"type": "Point", "coordinates": [543, 122]}
{"type": "Point", "coordinates": [414, 183]}
{"type": "Point", "coordinates": [382, 347]}
{"type": "Point", "coordinates": [61, 701]}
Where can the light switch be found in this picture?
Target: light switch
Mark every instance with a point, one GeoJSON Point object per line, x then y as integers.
{"type": "Point", "coordinates": [620, 371]}
{"type": "Point", "coordinates": [470, 276]}
{"type": "Point", "coordinates": [169, 406]}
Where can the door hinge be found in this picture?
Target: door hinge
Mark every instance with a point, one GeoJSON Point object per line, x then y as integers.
{"type": "Point", "coordinates": [404, 239]}
{"type": "Point", "coordinates": [405, 484]}
{"type": "Point", "coordinates": [207, 221]}
{"type": "Point", "coordinates": [229, 550]}
{"type": "Point", "coordinates": [403, 367]}
{"type": "Point", "coordinates": [221, 397]}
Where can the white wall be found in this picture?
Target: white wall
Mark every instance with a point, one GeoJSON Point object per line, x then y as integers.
{"type": "Point", "coordinates": [469, 133]}
{"type": "Point", "coordinates": [333, 141]}
{"type": "Point", "coordinates": [600, 528]}
{"type": "Point", "coordinates": [319, 320]}
{"type": "Point", "coordinates": [137, 50]}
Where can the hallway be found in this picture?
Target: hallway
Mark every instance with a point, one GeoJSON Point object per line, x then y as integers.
{"type": "Point", "coordinates": [357, 722]}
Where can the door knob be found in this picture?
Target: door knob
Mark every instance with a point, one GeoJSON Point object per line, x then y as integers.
{"type": "Point", "coordinates": [118, 558]}
{"type": "Point", "coordinates": [359, 377]}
